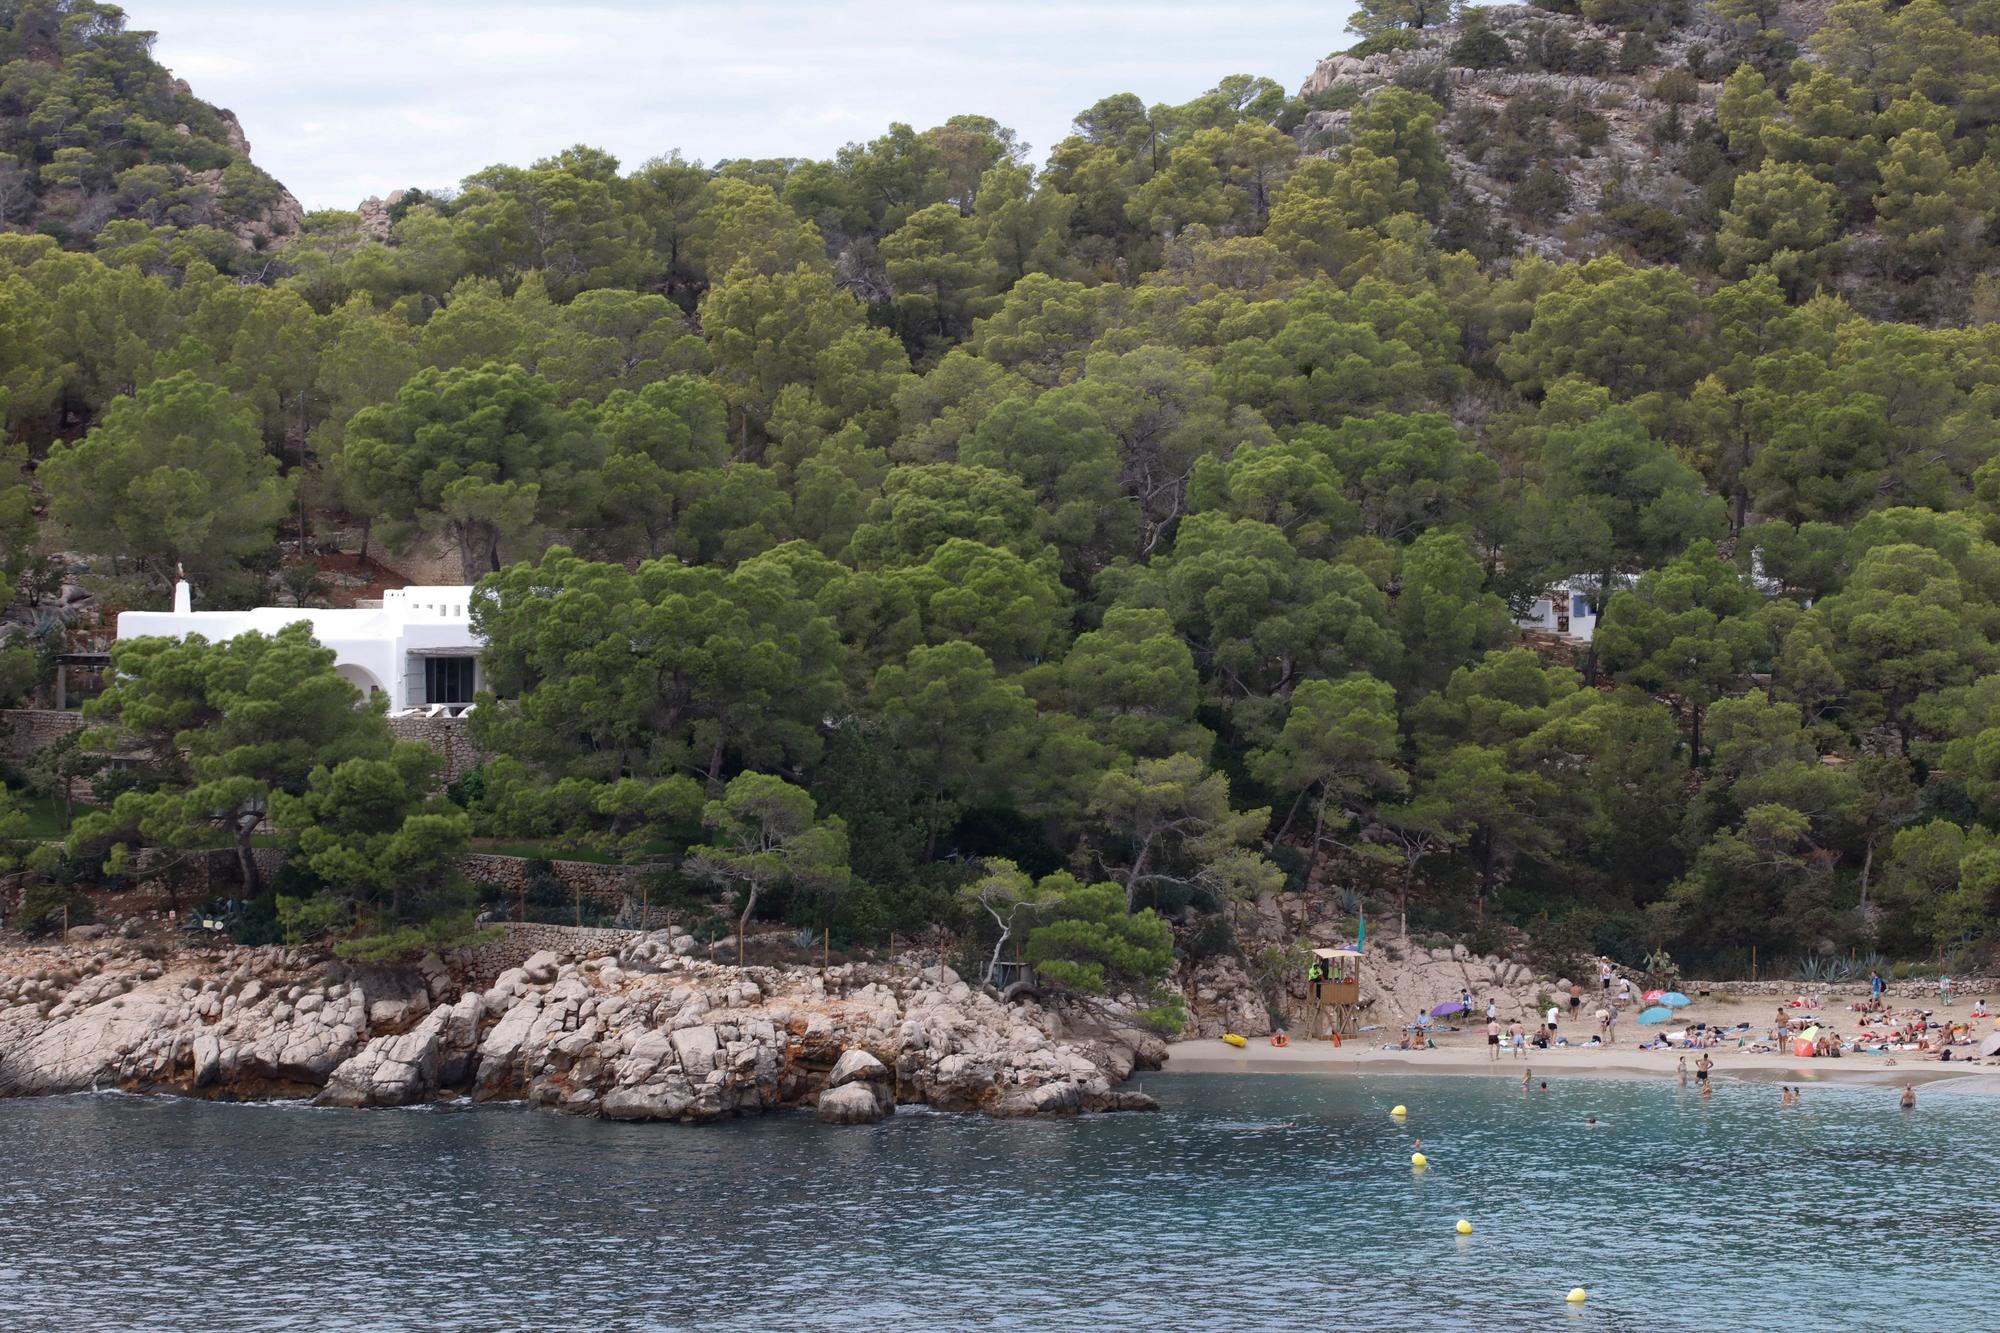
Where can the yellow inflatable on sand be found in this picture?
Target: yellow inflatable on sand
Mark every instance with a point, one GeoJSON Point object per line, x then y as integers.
{"type": "Point", "coordinates": [1235, 1040]}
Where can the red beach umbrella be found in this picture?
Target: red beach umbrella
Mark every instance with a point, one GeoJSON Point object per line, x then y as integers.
{"type": "Point", "coordinates": [1653, 996]}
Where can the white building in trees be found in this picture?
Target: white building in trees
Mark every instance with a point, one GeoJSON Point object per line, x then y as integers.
{"type": "Point", "coordinates": [417, 647]}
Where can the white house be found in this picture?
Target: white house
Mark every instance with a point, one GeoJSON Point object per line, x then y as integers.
{"type": "Point", "coordinates": [1565, 607]}
{"type": "Point", "coordinates": [417, 647]}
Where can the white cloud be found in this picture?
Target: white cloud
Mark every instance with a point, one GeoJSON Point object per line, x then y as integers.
{"type": "Point", "coordinates": [342, 100]}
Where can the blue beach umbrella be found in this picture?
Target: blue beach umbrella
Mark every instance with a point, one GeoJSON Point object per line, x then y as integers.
{"type": "Point", "coordinates": [1447, 1009]}
{"type": "Point", "coordinates": [1673, 999]}
{"type": "Point", "coordinates": [1659, 1013]}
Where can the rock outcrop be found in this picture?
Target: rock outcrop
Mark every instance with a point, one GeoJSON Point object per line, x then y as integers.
{"type": "Point", "coordinates": [1598, 129]}
{"type": "Point", "coordinates": [648, 1034]}
{"type": "Point", "coordinates": [1400, 979]}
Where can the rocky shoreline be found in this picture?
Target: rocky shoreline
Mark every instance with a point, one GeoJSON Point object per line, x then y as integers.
{"type": "Point", "coordinates": [645, 1033]}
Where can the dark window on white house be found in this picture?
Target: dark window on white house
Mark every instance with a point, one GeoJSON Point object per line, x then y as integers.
{"type": "Point", "coordinates": [448, 680]}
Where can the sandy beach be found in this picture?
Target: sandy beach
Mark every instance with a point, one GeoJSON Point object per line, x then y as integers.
{"type": "Point", "coordinates": [1465, 1052]}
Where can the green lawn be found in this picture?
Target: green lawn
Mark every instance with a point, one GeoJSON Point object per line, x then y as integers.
{"type": "Point", "coordinates": [45, 815]}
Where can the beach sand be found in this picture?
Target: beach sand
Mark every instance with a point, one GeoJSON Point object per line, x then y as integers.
{"type": "Point", "coordinates": [1465, 1052]}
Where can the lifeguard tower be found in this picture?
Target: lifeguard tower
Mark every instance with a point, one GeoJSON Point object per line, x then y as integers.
{"type": "Point", "coordinates": [1335, 994]}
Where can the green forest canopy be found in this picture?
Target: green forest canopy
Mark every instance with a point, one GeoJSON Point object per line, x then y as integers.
{"type": "Point", "coordinates": [1150, 517]}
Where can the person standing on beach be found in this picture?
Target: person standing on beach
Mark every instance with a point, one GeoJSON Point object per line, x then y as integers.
{"type": "Point", "coordinates": [1701, 1068]}
{"type": "Point", "coordinates": [1611, 1028]}
{"type": "Point", "coordinates": [1604, 974]}
{"type": "Point", "coordinates": [1492, 1009]}
{"type": "Point", "coordinates": [1604, 1022]}
{"type": "Point", "coordinates": [1492, 1039]}
{"type": "Point", "coordinates": [1875, 987]}
{"type": "Point", "coordinates": [1550, 1021]}
{"type": "Point", "coordinates": [1517, 1034]}
{"type": "Point", "coordinates": [1944, 991]}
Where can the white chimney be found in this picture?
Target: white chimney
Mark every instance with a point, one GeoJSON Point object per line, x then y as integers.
{"type": "Point", "coordinates": [183, 597]}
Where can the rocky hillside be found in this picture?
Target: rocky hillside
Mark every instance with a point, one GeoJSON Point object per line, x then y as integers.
{"type": "Point", "coordinates": [1540, 150]}
{"type": "Point", "coordinates": [100, 145]}
{"type": "Point", "coordinates": [1569, 136]}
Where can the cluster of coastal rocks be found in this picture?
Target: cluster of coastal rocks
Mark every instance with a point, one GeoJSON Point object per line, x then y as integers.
{"type": "Point", "coordinates": [1399, 979]}
{"type": "Point", "coordinates": [645, 1034]}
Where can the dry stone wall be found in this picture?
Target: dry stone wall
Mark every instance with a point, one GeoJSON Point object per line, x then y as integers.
{"type": "Point", "coordinates": [609, 886]}
{"type": "Point", "coordinates": [446, 735]}
{"type": "Point", "coordinates": [520, 941]}
{"type": "Point", "coordinates": [25, 732]}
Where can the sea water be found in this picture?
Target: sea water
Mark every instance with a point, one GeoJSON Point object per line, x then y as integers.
{"type": "Point", "coordinates": [1249, 1202]}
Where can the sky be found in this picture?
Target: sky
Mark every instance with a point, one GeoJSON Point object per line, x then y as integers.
{"type": "Point", "coordinates": [345, 100]}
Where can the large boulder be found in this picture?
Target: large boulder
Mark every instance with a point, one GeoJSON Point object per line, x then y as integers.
{"type": "Point", "coordinates": [696, 1047]}
{"type": "Point", "coordinates": [853, 1104]}
{"type": "Point", "coordinates": [857, 1066]}
{"type": "Point", "coordinates": [391, 1071]}
{"type": "Point", "coordinates": [500, 1055]}
{"type": "Point", "coordinates": [669, 1099]}
{"type": "Point", "coordinates": [1059, 1098]}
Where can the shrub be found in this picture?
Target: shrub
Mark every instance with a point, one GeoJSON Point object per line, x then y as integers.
{"type": "Point", "coordinates": [1636, 52]}
{"type": "Point", "coordinates": [1541, 195]}
{"type": "Point", "coordinates": [1210, 939]}
{"type": "Point", "coordinates": [1481, 48]}
{"type": "Point", "coordinates": [1677, 87]}
{"type": "Point", "coordinates": [468, 789]}
{"type": "Point", "coordinates": [41, 910]}
{"type": "Point", "coordinates": [1383, 43]}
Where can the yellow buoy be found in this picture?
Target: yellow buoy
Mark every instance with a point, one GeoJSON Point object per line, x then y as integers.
{"type": "Point", "coordinates": [1398, 1109]}
{"type": "Point", "coordinates": [1236, 1039]}
{"type": "Point", "coordinates": [1464, 1227]}
{"type": "Point", "coordinates": [1418, 1159]}
{"type": "Point", "coordinates": [1577, 1296]}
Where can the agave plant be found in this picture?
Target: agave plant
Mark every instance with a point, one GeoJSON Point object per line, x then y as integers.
{"type": "Point", "coordinates": [1822, 969]}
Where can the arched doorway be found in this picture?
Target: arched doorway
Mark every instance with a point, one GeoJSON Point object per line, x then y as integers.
{"type": "Point", "coordinates": [361, 678]}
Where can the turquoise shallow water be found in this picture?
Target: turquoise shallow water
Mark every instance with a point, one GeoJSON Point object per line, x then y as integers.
{"type": "Point", "coordinates": [120, 1212]}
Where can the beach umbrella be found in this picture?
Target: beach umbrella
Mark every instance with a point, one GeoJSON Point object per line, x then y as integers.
{"type": "Point", "coordinates": [1673, 999]}
{"type": "Point", "coordinates": [1653, 996]}
{"type": "Point", "coordinates": [1447, 1009]}
{"type": "Point", "coordinates": [1659, 1013]}
{"type": "Point", "coordinates": [1991, 1046]}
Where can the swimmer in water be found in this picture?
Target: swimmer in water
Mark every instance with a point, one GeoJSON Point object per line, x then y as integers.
{"type": "Point", "coordinates": [1545, 1085]}
{"type": "Point", "coordinates": [1590, 1123]}
{"type": "Point", "coordinates": [1909, 1100]}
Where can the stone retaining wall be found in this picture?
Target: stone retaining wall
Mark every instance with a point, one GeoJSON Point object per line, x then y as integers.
{"type": "Point", "coordinates": [446, 735]}
{"type": "Point", "coordinates": [25, 732]}
{"type": "Point", "coordinates": [608, 886]}
{"type": "Point", "coordinates": [519, 940]}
